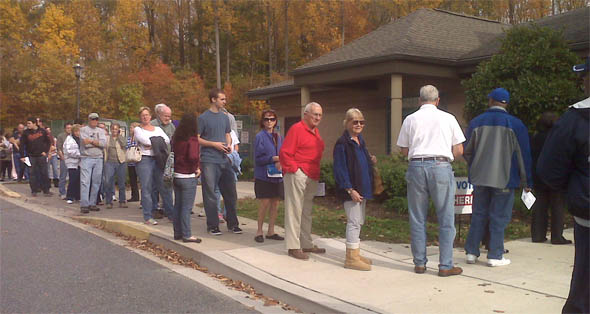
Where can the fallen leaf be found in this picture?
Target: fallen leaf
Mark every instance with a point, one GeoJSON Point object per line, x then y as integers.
{"type": "Point", "coordinates": [489, 291]}
{"type": "Point", "coordinates": [498, 311]}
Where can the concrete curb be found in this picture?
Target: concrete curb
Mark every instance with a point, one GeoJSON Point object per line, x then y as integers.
{"type": "Point", "coordinates": [8, 193]}
{"type": "Point", "coordinates": [218, 262]}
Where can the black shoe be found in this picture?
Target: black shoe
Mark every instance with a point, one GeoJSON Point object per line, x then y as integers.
{"type": "Point", "coordinates": [34, 194]}
{"type": "Point", "coordinates": [56, 183]}
{"type": "Point", "coordinates": [93, 208]}
{"type": "Point", "coordinates": [214, 231]}
{"type": "Point", "coordinates": [177, 237]}
{"type": "Point", "coordinates": [191, 239]}
{"type": "Point", "coordinates": [236, 230]}
{"type": "Point", "coordinates": [47, 194]}
{"type": "Point", "coordinates": [561, 240]}
{"type": "Point", "coordinates": [539, 240]}
{"type": "Point", "coordinates": [84, 210]}
{"type": "Point", "coordinates": [157, 214]}
{"type": "Point", "coordinates": [133, 200]}
{"type": "Point", "coordinates": [259, 238]}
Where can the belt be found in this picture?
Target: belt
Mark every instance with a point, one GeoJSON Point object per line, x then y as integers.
{"type": "Point", "coordinates": [430, 159]}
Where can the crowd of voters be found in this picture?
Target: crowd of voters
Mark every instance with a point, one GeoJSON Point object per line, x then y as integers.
{"type": "Point", "coordinates": [170, 159]}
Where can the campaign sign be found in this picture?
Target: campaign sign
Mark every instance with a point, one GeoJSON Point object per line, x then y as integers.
{"type": "Point", "coordinates": [463, 196]}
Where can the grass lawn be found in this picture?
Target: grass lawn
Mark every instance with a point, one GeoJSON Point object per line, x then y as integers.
{"type": "Point", "coordinates": [329, 220]}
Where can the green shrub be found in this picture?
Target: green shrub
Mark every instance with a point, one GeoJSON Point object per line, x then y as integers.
{"type": "Point", "coordinates": [247, 170]}
{"type": "Point", "coordinates": [327, 176]}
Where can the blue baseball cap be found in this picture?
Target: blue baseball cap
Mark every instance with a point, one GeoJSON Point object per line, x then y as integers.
{"type": "Point", "coordinates": [581, 68]}
{"type": "Point", "coordinates": [500, 95]}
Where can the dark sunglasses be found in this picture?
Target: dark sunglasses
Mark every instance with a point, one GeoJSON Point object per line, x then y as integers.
{"type": "Point", "coordinates": [270, 119]}
{"type": "Point", "coordinates": [357, 122]}
{"type": "Point", "coordinates": [94, 119]}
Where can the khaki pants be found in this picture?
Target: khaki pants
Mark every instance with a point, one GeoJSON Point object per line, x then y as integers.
{"type": "Point", "coordinates": [299, 193]}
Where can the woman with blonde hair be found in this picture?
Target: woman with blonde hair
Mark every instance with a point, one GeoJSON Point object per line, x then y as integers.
{"type": "Point", "coordinates": [147, 168]}
{"type": "Point", "coordinates": [353, 172]}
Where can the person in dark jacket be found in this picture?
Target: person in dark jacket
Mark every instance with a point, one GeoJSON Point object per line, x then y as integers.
{"type": "Point", "coordinates": [185, 145]}
{"type": "Point", "coordinates": [353, 173]}
{"type": "Point", "coordinates": [268, 181]}
{"type": "Point", "coordinates": [545, 197]}
{"type": "Point", "coordinates": [564, 165]}
{"type": "Point", "coordinates": [35, 145]}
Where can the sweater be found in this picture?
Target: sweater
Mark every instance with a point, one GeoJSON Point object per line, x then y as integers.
{"type": "Point", "coordinates": [302, 149]}
{"type": "Point", "coordinates": [264, 151]}
{"type": "Point", "coordinates": [186, 155]}
{"type": "Point", "coordinates": [34, 143]}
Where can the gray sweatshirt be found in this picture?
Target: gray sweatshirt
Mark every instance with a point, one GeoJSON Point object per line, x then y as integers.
{"type": "Point", "coordinates": [90, 150]}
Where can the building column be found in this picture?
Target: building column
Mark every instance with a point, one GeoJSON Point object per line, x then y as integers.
{"type": "Point", "coordinates": [305, 96]}
{"type": "Point", "coordinates": [396, 110]}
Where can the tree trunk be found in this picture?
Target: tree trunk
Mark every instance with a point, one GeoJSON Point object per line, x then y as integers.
{"type": "Point", "coordinates": [191, 35]}
{"type": "Point", "coordinates": [269, 31]}
{"type": "Point", "coordinates": [511, 12]}
{"type": "Point", "coordinates": [217, 61]}
{"type": "Point", "coordinates": [227, 60]}
{"type": "Point", "coordinates": [180, 15]}
{"type": "Point", "coordinates": [148, 7]}
{"type": "Point", "coordinates": [286, 37]}
{"type": "Point", "coordinates": [342, 18]}
{"type": "Point", "coordinates": [201, 57]}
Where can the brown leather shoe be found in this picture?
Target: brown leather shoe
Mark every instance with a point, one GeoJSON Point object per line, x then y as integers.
{"type": "Point", "coordinates": [316, 250]}
{"type": "Point", "coordinates": [450, 272]}
{"type": "Point", "coordinates": [419, 269]}
{"type": "Point", "coordinates": [298, 254]}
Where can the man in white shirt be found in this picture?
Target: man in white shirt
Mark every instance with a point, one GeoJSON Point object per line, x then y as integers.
{"type": "Point", "coordinates": [431, 138]}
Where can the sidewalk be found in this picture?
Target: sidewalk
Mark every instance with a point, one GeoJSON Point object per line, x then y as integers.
{"type": "Point", "coordinates": [537, 281]}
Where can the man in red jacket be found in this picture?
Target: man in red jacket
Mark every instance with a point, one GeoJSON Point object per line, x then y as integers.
{"type": "Point", "coordinates": [300, 158]}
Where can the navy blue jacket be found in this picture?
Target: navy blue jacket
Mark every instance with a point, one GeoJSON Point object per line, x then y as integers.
{"type": "Point", "coordinates": [564, 160]}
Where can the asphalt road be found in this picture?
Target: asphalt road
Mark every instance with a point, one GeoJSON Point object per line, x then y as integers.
{"type": "Point", "coordinates": [49, 266]}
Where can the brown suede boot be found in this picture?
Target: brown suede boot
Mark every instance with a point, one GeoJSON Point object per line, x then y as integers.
{"type": "Point", "coordinates": [364, 259]}
{"type": "Point", "coordinates": [353, 260]}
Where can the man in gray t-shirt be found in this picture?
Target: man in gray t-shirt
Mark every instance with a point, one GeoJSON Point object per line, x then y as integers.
{"type": "Point", "coordinates": [215, 140]}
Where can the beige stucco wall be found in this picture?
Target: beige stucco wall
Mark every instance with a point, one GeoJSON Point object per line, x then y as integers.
{"type": "Point", "coordinates": [373, 103]}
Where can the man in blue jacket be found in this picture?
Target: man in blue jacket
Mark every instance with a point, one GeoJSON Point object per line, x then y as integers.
{"type": "Point", "coordinates": [499, 157]}
{"type": "Point", "coordinates": [564, 165]}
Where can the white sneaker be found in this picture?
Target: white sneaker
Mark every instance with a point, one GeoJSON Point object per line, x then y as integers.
{"type": "Point", "coordinates": [471, 259]}
{"type": "Point", "coordinates": [69, 201]}
{"type": "Point", "coordinates": [498, 262]}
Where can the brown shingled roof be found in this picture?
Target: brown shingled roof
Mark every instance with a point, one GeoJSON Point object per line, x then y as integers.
{"type": "Point", "coordinates": [425, 33]}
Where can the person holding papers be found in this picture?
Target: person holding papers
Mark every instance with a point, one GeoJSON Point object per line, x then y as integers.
{"type": "Point", "coordinates": [498, 153]}
{"type": "Point", "coordinates": [268, 178]}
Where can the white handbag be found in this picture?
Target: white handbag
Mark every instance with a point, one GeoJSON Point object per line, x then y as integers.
{"type": "Point", "coordinates": [133, 154]}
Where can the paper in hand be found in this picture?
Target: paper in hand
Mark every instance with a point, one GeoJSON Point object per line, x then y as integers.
{"type": "Point", "coordinates": [528, 199]}
{"type": "Point", "coordinates": [27, 161]}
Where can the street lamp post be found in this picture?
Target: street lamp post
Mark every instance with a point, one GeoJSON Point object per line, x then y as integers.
{"type": "Point", "coordinates": [78, 71]}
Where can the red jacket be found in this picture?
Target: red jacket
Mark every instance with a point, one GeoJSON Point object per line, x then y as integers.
{"type": "Point", "coordinates": [186, 155]}
{"type": "Point", "coordinates": [302, 148]}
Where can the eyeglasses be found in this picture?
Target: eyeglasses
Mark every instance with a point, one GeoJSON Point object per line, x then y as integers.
{"type": "Point", "coordinates": [358, 122]}
{"type": "Point", "coordinates": [269, 119]}
{"type": "Point", "coordinates": [96, 119]}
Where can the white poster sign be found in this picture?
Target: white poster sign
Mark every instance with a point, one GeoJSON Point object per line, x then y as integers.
{"type": "Point", "coordinates": [244, 137]}
{"type": "Point", "coordinates": [463, 195]}
{"type": "Point", "coordinates": [239, 124]}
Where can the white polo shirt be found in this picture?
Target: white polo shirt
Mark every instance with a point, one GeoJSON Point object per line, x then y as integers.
{"type": "Point", "coordinates": [430, 132]}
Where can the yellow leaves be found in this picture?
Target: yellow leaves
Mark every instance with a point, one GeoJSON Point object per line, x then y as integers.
{"type": "Point", "coordinates": [56, 33]}
{"type": "Point", "coordinates": [12, 22]}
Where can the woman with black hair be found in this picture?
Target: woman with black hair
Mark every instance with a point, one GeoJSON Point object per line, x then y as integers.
{"type": "Point", "coordinates": [185, 145]}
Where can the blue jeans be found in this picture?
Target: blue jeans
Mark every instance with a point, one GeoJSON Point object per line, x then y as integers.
{"type": "Point", "coordinates": [90, 171]}
{"type": "Point", "coordinates": [434, 179]}
{"type": "Point", "coordinates": [22, 171]}
{"type": "Point", "coordinates": [185, 190]}
{"type": "Point", "coordinates": [578, 299]}
{"type": "Point", "coordinates": [63, 174]}
{"type": "Point", "coordinates": [165, 191]}
{"type": "Point", "coordinates": [494, 205]}
{"type": "Point", "coordinates": [147, 170]}
{"type": "Point", "coordinates": [112, 170]}
{"type": "Point", "coordinates": [222, 174]}
{"type": "Point", "coordinates": [53, 163]}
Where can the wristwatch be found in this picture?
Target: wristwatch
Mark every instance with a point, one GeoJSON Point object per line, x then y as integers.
{"type": "Point", "coordinates": [349, 191]}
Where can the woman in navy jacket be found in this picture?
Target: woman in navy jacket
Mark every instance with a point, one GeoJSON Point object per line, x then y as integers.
{"type": "Point", "coordinates": [268, 180]}
{"type": "Point", "coordinates": [353, 172]}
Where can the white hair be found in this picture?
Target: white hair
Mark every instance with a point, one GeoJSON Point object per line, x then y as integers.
{"type": "Point", "coordinates": [310, 105]}
{"type": "Point", "coordinates": [428, 93]}
{"type": "Point", "coordinates": [160, 107]}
